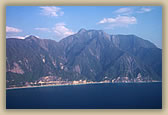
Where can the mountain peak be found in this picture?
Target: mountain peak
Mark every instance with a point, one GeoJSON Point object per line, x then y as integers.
{"type": "Point", "coordinates": [31, 37]}
{"type": "Point", "coordinates": [82, 30]}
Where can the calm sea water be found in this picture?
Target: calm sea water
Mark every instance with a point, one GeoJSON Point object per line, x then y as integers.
{"type": "Point", "coordinates": [91, 96]}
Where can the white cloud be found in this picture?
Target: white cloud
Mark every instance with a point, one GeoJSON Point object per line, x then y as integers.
{"type": "Point", "coordinates": [119, 21]}
{"type": "Point", "coordinates": [20, 37]}
{"type": "Point", "coordinates": [61, 30]}
{"type": "Point", "coordinates": [107, 20]}
{"type": "Point", "coordinates": [124, 11]}
{"type": "Point", "coordinates": [17, 37]}
{"type": "Point", "coordinates": [143, 10]}
{"type": "Point", "coordinates": [51, 11]}
{"type": "Point", "coordinates": [130, 11]}
{"type": "Point", "coordinates": [12, 30]}
{"type": "Point", "coordinates": [43, 29]}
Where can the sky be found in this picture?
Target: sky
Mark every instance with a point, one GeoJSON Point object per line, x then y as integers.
{"type": "Point", "coordinates": [58, 22]}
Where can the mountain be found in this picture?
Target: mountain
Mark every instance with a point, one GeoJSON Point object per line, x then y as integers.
{"type": "Point", "coordinates": [91, 55]}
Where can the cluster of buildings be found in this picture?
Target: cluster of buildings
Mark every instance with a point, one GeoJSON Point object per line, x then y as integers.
{"type": "Point", "coordinates": [52, 80]}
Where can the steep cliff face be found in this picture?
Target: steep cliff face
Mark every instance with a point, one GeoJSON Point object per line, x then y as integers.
{"type": "Point", "coordinates": [88, 54]}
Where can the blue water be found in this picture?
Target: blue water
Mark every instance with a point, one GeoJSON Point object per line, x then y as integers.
{"type": "Point", "coordinates": [91, 96]}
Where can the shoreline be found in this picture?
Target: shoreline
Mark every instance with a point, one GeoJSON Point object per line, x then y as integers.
{"type": "Point", "coordinates": [25, 87]}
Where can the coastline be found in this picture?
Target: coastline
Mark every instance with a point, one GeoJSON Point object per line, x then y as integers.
{"type": "Point", "coordinates": [26, 87]}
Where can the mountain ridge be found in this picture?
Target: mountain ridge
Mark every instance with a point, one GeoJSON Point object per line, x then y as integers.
{"type": "Point", "coordinates": [88, 55]}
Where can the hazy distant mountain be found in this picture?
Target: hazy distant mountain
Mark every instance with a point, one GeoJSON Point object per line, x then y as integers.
{"type": "Point", "coordinates": [88, 55]}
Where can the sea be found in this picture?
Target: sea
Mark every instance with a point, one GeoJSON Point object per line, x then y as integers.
{"type": "Point", "coordinates": [89, 96]}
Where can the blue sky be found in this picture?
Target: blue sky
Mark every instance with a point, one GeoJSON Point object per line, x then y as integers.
{"type": "Point", "coordinates": [57, 22]}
